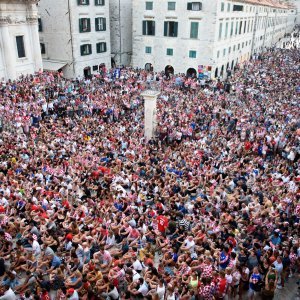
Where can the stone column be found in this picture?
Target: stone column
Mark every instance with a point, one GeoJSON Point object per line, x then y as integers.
{"type": "Point", "coordinates": [150, 121]}
{"type": "Point", "coordinates": [8, 51]}
{"type": "Point", "coordinates": [36, 49]}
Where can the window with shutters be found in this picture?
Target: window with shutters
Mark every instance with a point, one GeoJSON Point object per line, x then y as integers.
{"type": "Point", "coordinates": [85, 49]}
{"type": "Point", "coordinates": [171, 5]}
{"type": "Point", "coordinates": [40, 24]}
{"type": "Point", "coordinates": [95, 68]}
{"type": "Point", "coordinates": [83, 2]}
{"type": "Point", "coordinates": [100, 24]}
{"type": "Point", "coordinates": [20, 46]}
{"type": "Point", "coordinates": [101, 47]}
{"type": "Point", "coordinates": [194, 6]}
{"type": "Point", "coordinates": [222, 6]}
{"type": "Point", "coordinates": [231, 28]}
{"type": "Point", "coordinates": [148, 50]}
{"type": "Point", "coordinates": [149, 5]}
{"type": "Point", "coordinates": [238, 8]}
{"type": "Point", "coordinates": [220, 30]}
{"type": "Point", "coordinates": [148, 27]}
{"type": "Point", "coordinates": [43, 48]}
{"type": "Point", "coordinates": [226, 30]}
{"type": "Point", "coordinates": [99, 2]}
{"type": "Point", "coordinates": [192, 54]}
{"type": "Point", "coordinates": [169, 51]}
{"type": "Point", "coordinates": [171, 28]}
{"type": "Point", "coordinates": [194, 30]}
{"type": "Point", "coordinates": [84, 25]}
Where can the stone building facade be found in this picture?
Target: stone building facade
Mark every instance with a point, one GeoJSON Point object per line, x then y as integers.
{"type": "Point", "coordinates": [19, 49]}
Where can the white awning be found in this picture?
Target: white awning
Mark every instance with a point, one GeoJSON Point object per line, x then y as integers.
{"type": "Point", "coordinates": [53, 65]}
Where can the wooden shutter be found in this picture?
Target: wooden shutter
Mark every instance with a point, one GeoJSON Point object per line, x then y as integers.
{"type": "Point", "coordinates": [144, 27]}
{"type": "Point", "coordinates": [80, 25]}
{"type": "Point", "coordinates": [96, 24]}
{"type": "Point", "coordinates": [90, 48]}
{"type": "Point", "coordinates": [189, 6]}
{"type": "Point", "coordinates": [104, 24]}
{"type": "Point", "coordinates": [153, 27]}
{"type": "Point", "coordinates": [88, 25]}
{"type": "Point", "coordinates": [175, 29]}
{"type": "Point", "coordinates": [166, 29]}
{"type": "Point", "coordinates": [104, 48]}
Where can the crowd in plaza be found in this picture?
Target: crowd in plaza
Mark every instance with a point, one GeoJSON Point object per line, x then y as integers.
{"type": "Point", "coordinates": [208, 209]}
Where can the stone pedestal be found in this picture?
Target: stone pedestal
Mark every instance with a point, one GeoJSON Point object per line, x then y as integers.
{"type": "Point", "coordinates": [150, 121]}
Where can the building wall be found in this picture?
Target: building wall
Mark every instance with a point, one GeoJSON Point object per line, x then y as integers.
{"type": "Point", "coordinates": [62, 27]}
{"type": "Point", "coordinates": [212, 49]}
{"type": "Point", "coordinates": [19, 19]}
{"type": "Point", "coordinates": [55, 34]}
{"type": "Point", "coordinates": [121, 31]}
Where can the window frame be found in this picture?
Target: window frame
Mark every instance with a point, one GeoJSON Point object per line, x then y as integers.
{"type": "Point", "coordinates": [145, 27]}
{"type": "Point", "coordinates": [192, 6]}
{"type": "Point", "coordinates": [197, 35]}
{"type": "Point", "coordinates": [171, 2]}
{"type": "Point", "coordinates": [81, 20]}
{"type": "Point", "coordinates": [194, 52]}
{"type": "Point", "coordinates": [170, 52]}
{"type": "Point", "coordinates": [98, 23]}
{"type": "Point", "coordinates": [148, 48]}
{"type": "Point", "coordinates": [83, 2]}
{"type": "Point", "coordinates": [98, 46]}
{"type": "Point", "coordinates": [148, 3]}
{"type": "Point", "coordinates": [43, 48]}
{"type": "Point", "coordinates": [21, 50]}
{"type": "Point", "coordinates": [99, 2]}
{"type": "Point", "coordinates": [89, 47]}
{"type": "Point", "coordinates": [167, 28]}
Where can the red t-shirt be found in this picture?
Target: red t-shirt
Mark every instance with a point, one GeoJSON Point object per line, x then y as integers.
{"type": "Point", "coordinates": [162, 223]}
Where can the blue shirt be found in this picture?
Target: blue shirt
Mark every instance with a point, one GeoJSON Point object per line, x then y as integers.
{"type": "Point", "coordinates": [55, 261]}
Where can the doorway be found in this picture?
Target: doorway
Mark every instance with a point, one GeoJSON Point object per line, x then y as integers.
{"type": "Point", "coordinates": [148, 67]}
{"type": "Point", "coordinates": [191, 72]}
{"type": "Point", "coordinates": [169, 70]}
{"type": "Point", "coordinates": [87, 72]}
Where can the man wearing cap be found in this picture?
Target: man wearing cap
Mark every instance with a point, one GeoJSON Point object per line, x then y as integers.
{"type": "Point", "coordinates": [72, 294]}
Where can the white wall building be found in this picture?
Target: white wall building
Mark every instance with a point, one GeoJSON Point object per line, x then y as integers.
{"type": "Point", "coordinates": [75, 36]}
{"type": "Point", "coordinates": [20, 50]}
{"type": "Point", "coordinates": [121, 31]}
{"type": "Point", "coordinates": [206, 36]}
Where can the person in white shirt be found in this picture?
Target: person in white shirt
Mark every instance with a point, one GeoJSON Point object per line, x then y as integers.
{"type": "Point", "coordinates": [189, 245]}
{"type": "Point", "coordinates": [36, 248]}
{"type": "Point", "coordinates": [8, 294]}
{"type": "Point", "coordinates": [137, 266]}
{"type": "Point", "coordinates": [72, 294]}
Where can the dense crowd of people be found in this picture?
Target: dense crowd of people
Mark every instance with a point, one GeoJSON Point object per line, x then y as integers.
{"type": "Point", "coordinates": [207, 209]}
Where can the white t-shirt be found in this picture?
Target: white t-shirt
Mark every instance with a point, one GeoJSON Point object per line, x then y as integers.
{"type": "Point", "coordinates": [161, 292]}
{"type": "Point", "coordinates": [190, 245]}
{"type": "Point", "coordinates": [9, 295]}
{"type": "Point", "coordinates": [137, 265]}
{"type": "Point", "coordinates": [36, 248]}
{"type": "Point", "coordinates": [74, 296]}
{"type": "Point", "coordinates": [143, 289]}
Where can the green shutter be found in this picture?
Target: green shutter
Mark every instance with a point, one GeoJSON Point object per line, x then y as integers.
{"type": "Point", "coordinates": [80, 25]}
{"type": "Point", "coordinates": [81, 50]}
{"type": "Point", "coordinates": [89, 25]}
{"type": "Point", "coordinates": [189, 6]}
{"type": "Point", "coordinates": [144, 27]}
{"type": "Point", "coordinates": [105, 49]}
{"type": "Point", "coordinates": [175, 29]}
{"type": "Point", "coordinates": [194, 30]}
{"type": "Point", "coordinates": [96, 24]}
{"type": "Point", "coordinates": [104, 24]}
{"type": "Point", "coordinates": [97, 47]}
{"type": "Point", "coordinates": [166, 29]}
{"type": "Point", "coordinates": [153, 27]}
{"type": "Point", "coordinates": [90, 49]}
